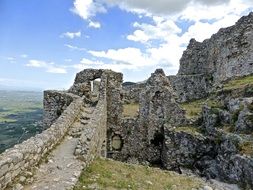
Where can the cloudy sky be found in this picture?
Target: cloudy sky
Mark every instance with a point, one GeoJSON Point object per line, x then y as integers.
{"type": "Point", "coordinates": [43, 43]}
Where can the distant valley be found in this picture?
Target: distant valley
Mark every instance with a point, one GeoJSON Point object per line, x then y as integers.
{"type": "Point", "coordinates": [20, 116]}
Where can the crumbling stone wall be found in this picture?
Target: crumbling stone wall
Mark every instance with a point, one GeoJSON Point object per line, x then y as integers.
{"type": "Point", "coordinates": [114, 106]}
{"type": "Point", "coordinates": [25, 156]}
{"type": "Point", "coordinates": [92, 142]}
{"type": "Point", "coordinates": [109, 108]}
{"type": "Point", "coordinates": [55, 102]}
{"type": "Point", "coordinates": [131, 93]}
{"type": "Point", "coordinates": [143, 138]}
{"type": "Point", "coordinates": [62, 109]}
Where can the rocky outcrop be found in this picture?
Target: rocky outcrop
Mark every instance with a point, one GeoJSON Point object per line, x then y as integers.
{"type": "Point", "coordinates": [226, 55]}
{"type": "Point", "coordinates": [187, 150]}
{"type": "Point", "coordinates": [191, 87]}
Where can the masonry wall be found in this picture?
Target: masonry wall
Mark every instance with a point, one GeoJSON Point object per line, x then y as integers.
{"type": "Point", "coordinates": [25, 156]}
{"type": "Point", "coordinates": [55, 102]}
{"type": "Point", "coordinates": [92, 142]}
{"type": "Point", "coordinates": [132, 93]}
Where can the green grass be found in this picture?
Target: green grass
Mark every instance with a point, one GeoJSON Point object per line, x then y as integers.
{"type": "Point", "coordinates": [194, 108]}
{"type": "Point", "coordinates": [113, 175]}
{"type": "Point", "coordinates": [130, 110]}
{"type": "Point", "coordinates": [20, 113]}
{"type": "Point", "coordinates": [189, 129]}
{"type": "Point", "coordinates": [239, 83]}
{"type": "Point", "coordinates": [16, 102]}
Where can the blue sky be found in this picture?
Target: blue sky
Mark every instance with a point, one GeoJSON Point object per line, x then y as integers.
{"type": "Point", "coordinates": [43, 43]}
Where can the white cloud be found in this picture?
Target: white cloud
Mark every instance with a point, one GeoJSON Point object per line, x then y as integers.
{"type": "Point", "coordinates": [87, 8]}
{"type": "Point", "coordinates": [24, 55]}
{"type": "Point", "coordinates": [87, 63]}
{"type": "Point", "coordinates": [160, 7]}
{"type": "Point", "coordinates": [49, 66]}
{"type": "Point", "coordinates": [71, 35]}
{"type": "Point", "coordinates": [90, 62]}
{"type": "Point", "coordinates": [133, 57]}
{"type": "Point", "coordinates": [11, 59]}
{"type": "Point", "coordinates": [163, 39]}
{"type": "Point", "coordinates": [93, 24]}
{"type": "Point", "coordinates": [74, 47]}
{"type": "Point", "coordinates": [161, 29]}
{"type": "Point", "coordinates": [170, 40]}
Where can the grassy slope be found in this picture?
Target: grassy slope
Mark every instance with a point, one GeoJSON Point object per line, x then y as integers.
{"type": "Point", "coordinates": [130, 110]}
{"type": "Point", "coordinates": [113, 175]}
{"type": "Point", "coordinates": [239, 83]}
{"type": "Point", "coordinates": [194, 108]}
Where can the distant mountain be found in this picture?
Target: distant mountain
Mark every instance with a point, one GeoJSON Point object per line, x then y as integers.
{"type": "Point", "coordinates": [128, 83]}
{"type": "Point", "coordinates": [19, 88]}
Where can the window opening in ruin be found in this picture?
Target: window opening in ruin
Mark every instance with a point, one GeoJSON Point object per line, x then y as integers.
{"type": "Point", "coordinates": [95, 85]}
{"type": "Point", "coordinates": [58, 112]}
{"type": "Point", "coordinates": [158, 143]}
{"type": "Point", "coordinates": [117, 142]}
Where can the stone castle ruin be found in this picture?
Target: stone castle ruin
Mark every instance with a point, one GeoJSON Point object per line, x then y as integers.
{"type": "Point", "coordinates": [161, 134]}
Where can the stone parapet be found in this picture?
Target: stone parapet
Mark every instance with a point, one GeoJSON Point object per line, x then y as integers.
{"type": "Point", "coordinates": [25, 156]}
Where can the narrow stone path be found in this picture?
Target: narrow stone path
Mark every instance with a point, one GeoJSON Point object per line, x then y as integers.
{"type": "Point", "coordinates": [62, 169]}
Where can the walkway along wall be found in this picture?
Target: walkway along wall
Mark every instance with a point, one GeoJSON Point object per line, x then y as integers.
{"type": "Point", "coordinates": [25, 156]}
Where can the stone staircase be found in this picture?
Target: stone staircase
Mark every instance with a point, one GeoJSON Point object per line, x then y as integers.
{"type": "Point", "coordinates": [79, 126]}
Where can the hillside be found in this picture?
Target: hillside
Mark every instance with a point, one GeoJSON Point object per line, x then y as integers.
{"type": "Point", "coordinates": [112, 175]}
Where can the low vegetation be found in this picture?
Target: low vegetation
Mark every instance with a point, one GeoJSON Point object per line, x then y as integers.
{"type": "Point", "coordinates": [194, 108]}
{"type": "Point", "coordinates": [239, 83]}
{"type": "Point", "coordinates": [113, 175]}
{"type": "Point", "coordinates": [189, 129]}
{"type": "Point", "coordinates": [130, 110]}
{"type": "Point", "coordinates": [247, 148]}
